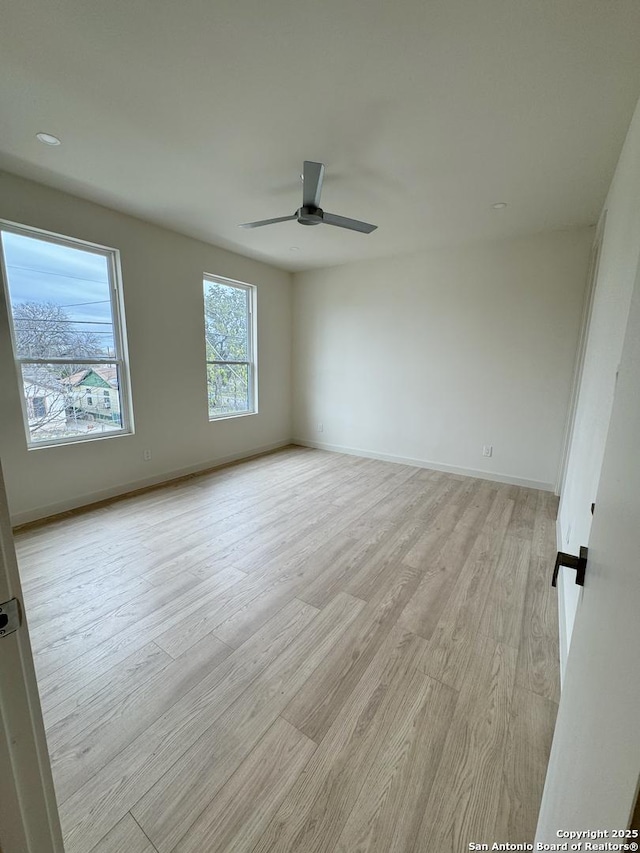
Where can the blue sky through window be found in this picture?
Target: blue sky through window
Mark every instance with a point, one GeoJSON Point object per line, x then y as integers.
{"type": "Point", "coordinates": [75, 280]}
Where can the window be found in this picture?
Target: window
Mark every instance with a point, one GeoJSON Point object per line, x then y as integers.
{"type": "Point", "coordinates": [230, 346]}
{"type": "Point", "coordinates": [39, 407]}
{"type": "Point", "coordinates": [64, 302]}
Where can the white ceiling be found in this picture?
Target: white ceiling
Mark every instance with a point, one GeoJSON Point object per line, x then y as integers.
{"type": "Point", "coordinates": [197, 114]}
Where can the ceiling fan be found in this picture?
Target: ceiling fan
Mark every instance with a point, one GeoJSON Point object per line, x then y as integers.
{"type": "Point", "coordinates": [311, 213]}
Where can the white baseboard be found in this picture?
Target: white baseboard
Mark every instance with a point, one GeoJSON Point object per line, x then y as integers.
{"type": "Point", "coordinates": [425, 463]}
{"type": "Point", "coordinates": [132, 486]}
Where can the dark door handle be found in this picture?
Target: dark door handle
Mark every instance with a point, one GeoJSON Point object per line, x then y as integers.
{"type": "Point", "coordinates": [571, 562]}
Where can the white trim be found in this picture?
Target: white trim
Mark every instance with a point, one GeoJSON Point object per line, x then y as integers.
{"type": "Point", "coordinates": [587, 310]}
{"type": "Point", "coordinates": [565, 598]}
{"type": "Point", "coordinates": [227, 415]}
{"type": "Point", "coordinates": [63, 442]}
{"type": "Point", "coordinates": [426, 463]}
{"type": "Point", "coordinates": [124, 488]}
{"type": "Point", "coordinates": [562, 614]}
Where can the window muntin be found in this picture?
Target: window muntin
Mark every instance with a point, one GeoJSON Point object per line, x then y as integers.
{"type": "Point", "coordinates": [230, 347]}
{"type": "Point", "coordinates": [64, 304]}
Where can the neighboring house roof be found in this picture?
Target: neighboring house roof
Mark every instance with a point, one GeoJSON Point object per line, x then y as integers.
{"type": "Point", "coordinates": [98, 376]}
{"type": "Point", "coordinates": [39, 377]}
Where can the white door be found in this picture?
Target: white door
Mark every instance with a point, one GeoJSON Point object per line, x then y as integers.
{"type": "Point", "coordinates": [594, 768]}
{"type": "Point", "coordinates": [28, 812]}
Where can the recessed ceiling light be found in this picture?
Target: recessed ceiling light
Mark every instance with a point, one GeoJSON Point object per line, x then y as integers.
{"type": "Point", "coordinates": [294, 249]}
{"type": "Point", "coordinates": [499, 205]}
{"type": "Point", "coordinates": [47, 138]}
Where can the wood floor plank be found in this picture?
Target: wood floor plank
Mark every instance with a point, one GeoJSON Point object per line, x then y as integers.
{"type": "Point", "coordinates": [418, 495]}
{"type": "Point", "coordinates": [318, 703]}
{"type": "Point", "coordinates": [66, 620]}
{"type": "Point", "coordinates": [388, 812]}
{"type": "Point", "coordinates": [531, 723]}
{"type": "Point", "coordinates": [465, 795]}
{"type": "Point", "coordinates": [525, 509]}
{"type": "Point", "coordinates": [538, 650]}
{"type": "Point", "coordinates": [68, 562]}
{"type": "Point", "coordinates": [118, 645]}
{"type": "Point", "coordinates": [441, 523]}
{"type": "Point", "coordinates": [110, 727]}
{"type": "Point", "coordinates": [272, 589]}
{"type": "Point", "coordinates": [539, 640]}
{"type": "Point", "coordinates": [70, 602]}
{"type": "Point", "coordinates": [175, 653]}
{"type": "Point", "coordinates": [353, 562]}
{"type": "Point", "coordinates": [373, 572]}
{"type": "Point", "coordinates": [314, 814]}
{"type": "Point", "coordinates": [237, 816]}
{"type": "Point", "coordinates": [166, 813]}
{"type": "Point", "coordinates": [127, 836]}
{"type": "Point", "coordinates": [111, 792]}
{"type": "Point", "coordinates": [73, 643]}
{"type": "Point", "coordinates": [504, 609]}
{"type": "Point", "coordinates": [307, 545]}
{"type": "Point", "coordinates": [544, 528]}
{"type": "Point", "coordinates": [450, 650]}
{"type": "Point", "coordinates": [237, 628]}
{"type": "Point", "coordinates": [460, 531]}
{"type": "Point", "coordinates": [238, 536]}
{"type": "Point", "coordinates": [213, 612]}
{"type": "Point", "coordinates": [79, 711]}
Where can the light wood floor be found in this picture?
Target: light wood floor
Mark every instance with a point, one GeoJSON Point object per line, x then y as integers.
{"type": "Point", "coordinates": [306, 652]}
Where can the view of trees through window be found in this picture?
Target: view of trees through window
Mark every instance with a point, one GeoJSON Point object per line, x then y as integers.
{"type": "Point", "coordinates": [64, 335]}
{"type": "Point", "coordinates": [229, 346]}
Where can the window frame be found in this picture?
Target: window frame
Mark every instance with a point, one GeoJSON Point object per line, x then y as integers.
{"type": "Point", "coordinates": [252, 344]}
{"type": "Point", "coordinates": [121, 354]}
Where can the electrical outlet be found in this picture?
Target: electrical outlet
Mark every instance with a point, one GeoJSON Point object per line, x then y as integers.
{"type": "Point", "coordinates": [487, 450]}
{"type": "Point", "coordinates": [320, 427]}
{"type": "Point", "coordinates": [146, 455]}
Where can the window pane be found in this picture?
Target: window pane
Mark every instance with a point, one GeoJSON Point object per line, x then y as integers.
{"type": "Point", "coordinates": [228, 389]}
{"type": "Point", "coordinates": [64, 311]}
{"type": "Point", "coordinates": [64, 401]}
{"type": "Point", "coordinates": [60, 299]}
{"type": "Point", "coordinates": [226, 322]}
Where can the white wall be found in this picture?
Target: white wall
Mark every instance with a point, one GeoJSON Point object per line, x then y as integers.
{"type": "Point", "coordinates": [162, 273]}
{"type": "Point", "coordinates": [428, 357]}
{"type": "Point", "coordinates": [611, 300]}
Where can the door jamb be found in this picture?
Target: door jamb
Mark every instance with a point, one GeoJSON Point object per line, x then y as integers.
{"type": "Point", "coordinates": [30, 820]}
{"type": "Point", "coordinates": [587, 311]}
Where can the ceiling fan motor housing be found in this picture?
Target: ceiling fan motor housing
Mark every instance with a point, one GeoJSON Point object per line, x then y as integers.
{"type": "Point", "coordinates": [309, 215]}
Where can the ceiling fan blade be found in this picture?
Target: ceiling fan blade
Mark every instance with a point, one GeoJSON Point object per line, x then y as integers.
{"type": "Point", "coordinates": [313, 173]}
{"type": "Point", "coordinates": [351, 224]}
{"type": "Point", "coordinates": [267, 221]}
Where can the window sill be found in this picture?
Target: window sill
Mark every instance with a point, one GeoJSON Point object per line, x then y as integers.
{"type": "Point", "coordinates": [66, 442]}
{"type": "Point", "coordinates": [230, 415]}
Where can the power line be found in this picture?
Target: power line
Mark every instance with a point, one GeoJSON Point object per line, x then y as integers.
{"type": "Point", "coordinates": [62, 274]}
{"type": "Point", "coordinates": [78, 304]}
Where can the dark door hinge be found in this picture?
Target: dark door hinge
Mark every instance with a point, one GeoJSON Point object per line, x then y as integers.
{"type": "Point", "coordinates": [10, 617]}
